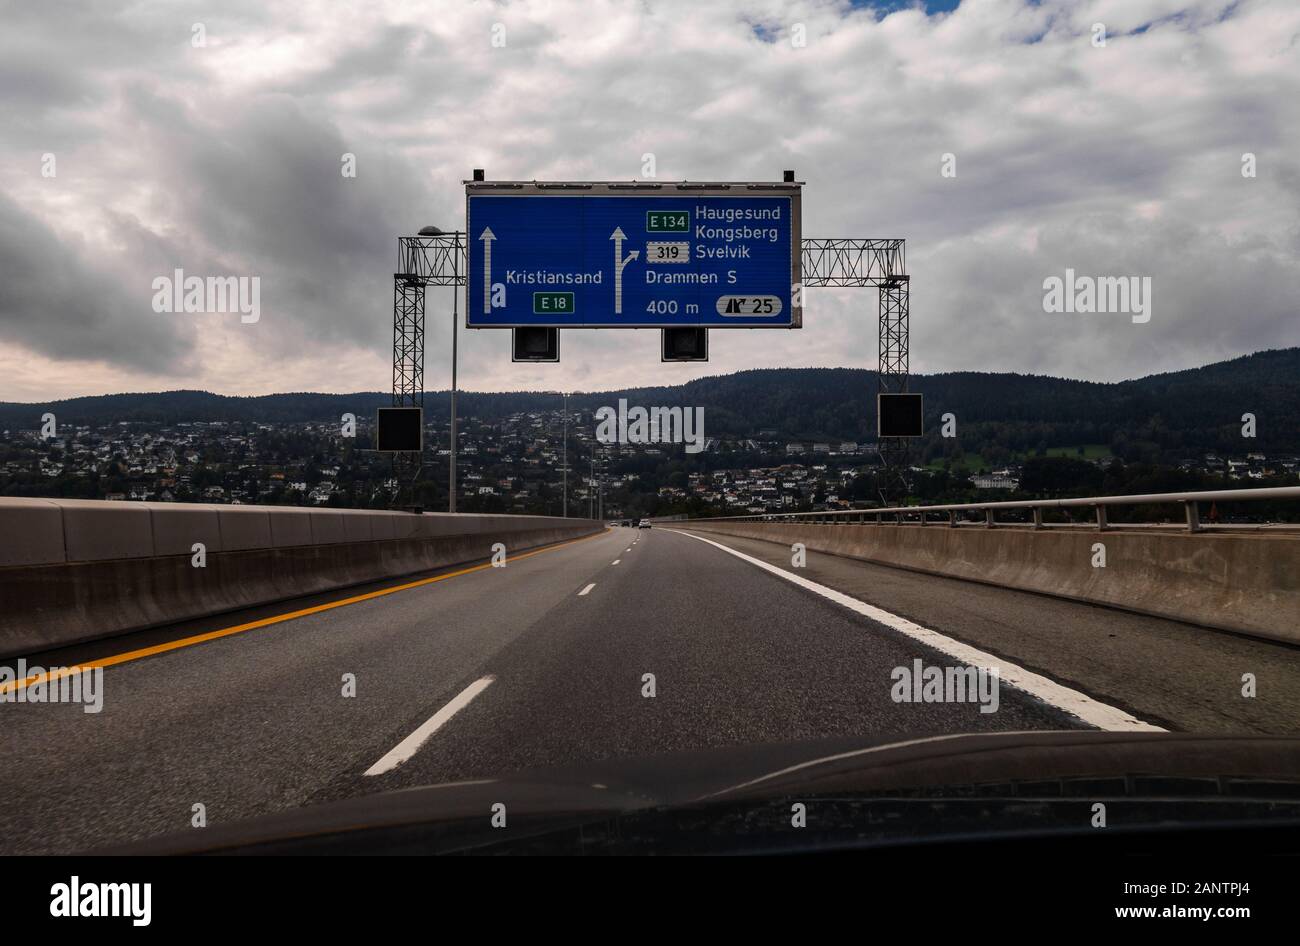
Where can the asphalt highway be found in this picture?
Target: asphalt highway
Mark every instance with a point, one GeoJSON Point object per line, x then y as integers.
{"type": "Point", "coordinates": [631, 643]}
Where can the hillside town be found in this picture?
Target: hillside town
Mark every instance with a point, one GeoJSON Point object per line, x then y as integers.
{"type": "Point", "coordinates": [514, 464]}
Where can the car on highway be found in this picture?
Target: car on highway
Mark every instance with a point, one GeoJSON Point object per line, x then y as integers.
{"type": "Point", "coordinates": [644, 524]}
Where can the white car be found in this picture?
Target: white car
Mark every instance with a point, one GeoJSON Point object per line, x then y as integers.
{"type": "Point", "coordinates": [644, 524]}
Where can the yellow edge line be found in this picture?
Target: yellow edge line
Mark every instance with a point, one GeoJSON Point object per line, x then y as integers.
{"type": "Point", "coordinates": [263, 622]}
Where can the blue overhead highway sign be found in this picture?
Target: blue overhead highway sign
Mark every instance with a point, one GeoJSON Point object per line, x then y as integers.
{"type": "Point", "coordinates": [633, 256]}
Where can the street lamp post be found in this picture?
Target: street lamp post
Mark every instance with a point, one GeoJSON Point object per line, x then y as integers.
{"type": "Point", "coordinates": [600, 494]}
{"type": "Point", "coordinates": [455, 312]}
{"type": "Point", "coordinates": [565, 487]}
{"type": "Point", "coordinates": [565, 472]}
{"type": "Point", "coordinates": [451, 505]}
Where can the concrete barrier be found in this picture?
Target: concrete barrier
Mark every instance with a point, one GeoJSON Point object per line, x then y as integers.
{"type": "Point", "coordinates": [79, 570]}
{"type": "Point", "coordinates": [1248, 583]}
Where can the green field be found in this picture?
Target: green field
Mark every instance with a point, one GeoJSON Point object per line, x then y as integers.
{"type": "Point", "coordinates": [973, 462]}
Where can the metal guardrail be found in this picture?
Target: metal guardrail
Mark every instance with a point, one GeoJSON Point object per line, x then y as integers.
{"type": "Point", "coordinates": [904, 515]}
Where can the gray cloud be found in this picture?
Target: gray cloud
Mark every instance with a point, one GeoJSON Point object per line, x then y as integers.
{"type": "Point", "coordinates": [59, 299]}
{"type": "Point", "coordinates": [226, 160]}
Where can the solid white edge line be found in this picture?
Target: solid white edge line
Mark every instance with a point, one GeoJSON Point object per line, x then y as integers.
{"type": "Point", "coordinates": [412, 743]}
{"type": "Point", "coordinates": [1093, 712]}
{"type": "Point", "coordinates": [587, 589]}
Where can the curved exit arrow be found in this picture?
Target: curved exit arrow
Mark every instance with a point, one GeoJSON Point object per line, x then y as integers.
{"type": "Point", "coordinates": [618, 236]}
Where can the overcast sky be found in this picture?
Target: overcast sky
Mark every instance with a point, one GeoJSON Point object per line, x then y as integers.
{"type": "Point", "coordinates": [225, 158]}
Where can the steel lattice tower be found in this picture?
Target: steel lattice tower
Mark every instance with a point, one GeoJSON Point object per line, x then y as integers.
{"type": "Point", "coordinates": [439, 260]}
{"type": "Point", "coordinates": [893, 353]}
{"type": "Point", "coordinates": [408, 341]}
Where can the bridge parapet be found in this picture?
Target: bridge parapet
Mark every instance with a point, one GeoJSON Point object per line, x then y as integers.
{"type": "Point", "coordinates": [1248, 583]}
{"type": "Point", "coordinates": [77, 570]}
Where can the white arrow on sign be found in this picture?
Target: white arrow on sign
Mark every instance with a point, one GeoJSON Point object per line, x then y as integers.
{"type": "Point", "coordinates": [487, 237]}
{"type": "Point", "coordinates": [618, 236]}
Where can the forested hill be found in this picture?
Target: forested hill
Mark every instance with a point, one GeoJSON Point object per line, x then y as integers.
{"type": "Point", "coordinates": [1186, 411]}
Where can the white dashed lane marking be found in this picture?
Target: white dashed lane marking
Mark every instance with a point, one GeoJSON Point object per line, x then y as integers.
{"type": "Point", "coordinates": [412, 743]}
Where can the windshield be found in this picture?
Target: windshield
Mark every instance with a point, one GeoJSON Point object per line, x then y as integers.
{"type": "Point", "coordinates": [927, 424]}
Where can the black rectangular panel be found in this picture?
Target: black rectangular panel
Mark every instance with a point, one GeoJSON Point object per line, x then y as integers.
{"type": "Point", "coordinates": [399, 429]}
{"type": "Point", "coordinates": [533, 343]}
{"type": "Point", "coordinates": [898, 415]}
{"type": "Point", "coordinates": [685, 344]}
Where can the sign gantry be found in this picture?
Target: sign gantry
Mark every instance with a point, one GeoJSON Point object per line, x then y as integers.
{"type": "Point", "coordinates": [679, 256]}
